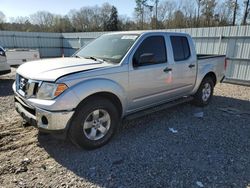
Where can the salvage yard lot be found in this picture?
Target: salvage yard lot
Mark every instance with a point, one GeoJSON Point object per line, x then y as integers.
{"type": "Point", "coordinates": [183, 146]}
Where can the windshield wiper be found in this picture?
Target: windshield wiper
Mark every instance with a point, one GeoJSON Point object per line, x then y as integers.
{"type": "Point", "coordinates": [95, 59]}
{"type": "Point", "coordinates": [77, 56]}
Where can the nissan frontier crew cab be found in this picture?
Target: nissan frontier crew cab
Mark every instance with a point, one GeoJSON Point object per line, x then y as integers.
{"type": "Point", "coordinates": [116, 76]}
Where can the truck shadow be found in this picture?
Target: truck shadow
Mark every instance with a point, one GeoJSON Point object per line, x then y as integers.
{"type": "Point", "coordinates": [213, 149]}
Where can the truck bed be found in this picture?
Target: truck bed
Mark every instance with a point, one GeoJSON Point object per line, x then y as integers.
{"type": "Point", "coordinates": [210, 60]}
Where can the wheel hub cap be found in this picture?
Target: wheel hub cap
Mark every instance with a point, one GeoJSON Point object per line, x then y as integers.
{"type": "Point", "coordinates": [206, 92]}
{"type": "Point", "coordinates": [97, 124]}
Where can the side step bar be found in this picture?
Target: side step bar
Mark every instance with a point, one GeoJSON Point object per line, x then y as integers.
{"type": "Point", "coordinates": [157, 108]}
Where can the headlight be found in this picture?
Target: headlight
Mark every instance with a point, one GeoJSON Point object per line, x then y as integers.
{"type": "Point", "coordinates": [50, 90]}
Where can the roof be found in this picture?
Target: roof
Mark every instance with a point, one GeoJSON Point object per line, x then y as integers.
{"type": "Point", "coordinates": [143, 32]}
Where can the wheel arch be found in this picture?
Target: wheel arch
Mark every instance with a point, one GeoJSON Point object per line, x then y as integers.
{"type": "Point", "coordinates": [107, 95]}
{"type": "Point", "coordinates": [212, 75]}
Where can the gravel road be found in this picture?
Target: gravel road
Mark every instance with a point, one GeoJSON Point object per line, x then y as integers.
{"type": "Point", "coordinates": [183, 146]}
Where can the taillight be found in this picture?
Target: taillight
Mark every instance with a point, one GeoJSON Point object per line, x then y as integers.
{"type": "Point", "coordinates": [225, 64]}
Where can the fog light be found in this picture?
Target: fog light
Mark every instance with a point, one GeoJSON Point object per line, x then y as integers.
{"type": "Point", "coordinates": [44, 120]}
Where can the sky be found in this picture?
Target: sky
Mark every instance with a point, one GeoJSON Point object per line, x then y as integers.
{"type": "Point", "coordinates": [14, 8]}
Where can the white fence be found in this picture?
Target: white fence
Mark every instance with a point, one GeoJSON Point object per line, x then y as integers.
{"type": "Point", "coordinates": [234, 41]}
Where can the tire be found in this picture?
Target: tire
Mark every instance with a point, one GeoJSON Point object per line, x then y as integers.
{"type": "Point", "coordinates": [94, 123]}
{"type": "Point", "coordinates": [205, 92]}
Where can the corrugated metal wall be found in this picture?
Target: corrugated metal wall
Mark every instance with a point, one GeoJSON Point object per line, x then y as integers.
{"type": "Point", "coordinates": [73, 41]}
{"type": "Point", "coordinates": [49, 44]}
{"type": "Point", "coordinates": [233, 41]}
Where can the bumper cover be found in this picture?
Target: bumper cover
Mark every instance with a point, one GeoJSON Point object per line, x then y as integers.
{"type": "Point", "coordinates": [45, 120]}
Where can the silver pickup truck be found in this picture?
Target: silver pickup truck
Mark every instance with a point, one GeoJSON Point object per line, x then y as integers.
{"type": "Point", "coordinates": [116, 76]}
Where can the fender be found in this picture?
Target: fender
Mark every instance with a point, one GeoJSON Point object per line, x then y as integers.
{"type": "Point", "coordinates": [72, 97]}
{"type": "Point", "coordinates": [89, 87]}
{"type": "Point", "coordinates": [202, 72]}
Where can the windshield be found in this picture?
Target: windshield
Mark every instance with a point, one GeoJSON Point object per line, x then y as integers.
{"type": "Point", "coordinates": [111, 48]}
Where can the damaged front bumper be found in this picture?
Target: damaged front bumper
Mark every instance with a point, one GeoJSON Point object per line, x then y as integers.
{"type": "Point", "coordinates": [43, 119]}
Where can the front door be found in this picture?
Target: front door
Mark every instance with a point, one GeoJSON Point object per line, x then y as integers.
{"type": "Point", "coordinates": [150, 76]}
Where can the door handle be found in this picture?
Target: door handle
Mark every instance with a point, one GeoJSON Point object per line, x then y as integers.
{"type": "Point", "coordinates": [167, 69]}
{"type": "Point", "coordinates": [191, 66]}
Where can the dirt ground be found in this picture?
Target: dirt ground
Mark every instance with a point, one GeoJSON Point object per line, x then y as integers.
{"type": "Point", "coordinates": [183, 146]}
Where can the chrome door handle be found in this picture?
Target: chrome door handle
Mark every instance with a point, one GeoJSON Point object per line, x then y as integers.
{"type": "Point", "coordinates": [191, 65]}
{"type": "Point", "coordinates": [167, 69]}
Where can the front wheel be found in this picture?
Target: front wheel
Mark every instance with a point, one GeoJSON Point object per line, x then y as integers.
{"type": "Point", "coordinates": [205, 92]}
{"type": "Point", "coordinates": [94, 123]}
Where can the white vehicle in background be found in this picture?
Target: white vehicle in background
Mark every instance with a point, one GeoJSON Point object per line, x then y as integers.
{"type": "Point", "coordinates": [4, 67]}
{"type": "Point", "coordinates": [20, 56]}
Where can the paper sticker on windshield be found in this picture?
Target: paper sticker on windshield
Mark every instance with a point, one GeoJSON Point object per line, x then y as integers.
{"type": "Point", "coordinates": [130, 37]}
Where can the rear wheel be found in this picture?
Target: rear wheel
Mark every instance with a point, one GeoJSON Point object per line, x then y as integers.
{"type": "Point", "coordinates": [205, 92]}
{"type": "Point", "coordinates": [94, 123]}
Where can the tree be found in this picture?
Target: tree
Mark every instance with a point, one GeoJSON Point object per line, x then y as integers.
{"type": "Point", "coordinates": [189, 13]}
{"type": "Point", "coordinates": [125, 23]}
{"type": "Point", "coordinates": [2, 17]}
{"type": "Point", "coordinates": [112, 24]}
{"type": "Point", "coordinates": [139, 9]}
{"type": "Point", "coordinates": [154, 20]}
{"type": "Point", "coordinates": [236, 7]}
{"type": "Point", "coordinates": [166, 11]}
{"type": "Point", "coordinates": [149, 14]}
{"type": "Point", "coordinates": [207, 10]}
{"type": "Point", "coordinates": [246, 11]}
{"type": "Point", "coordinates": [227, 12]}
{"type": "Point", "coordinates": [43, 19]}
{"type": "Point", "coordinates": [62, 24]}
{"type": "Point", "coordinates": [179, 20]}
{"type": "Point", "coordinates": [106, 11]}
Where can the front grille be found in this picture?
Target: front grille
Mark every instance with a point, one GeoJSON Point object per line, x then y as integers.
{"type": "Point", "coordinates": [26, 87]}
{"type": "Point", "coordinates": [23, 84]}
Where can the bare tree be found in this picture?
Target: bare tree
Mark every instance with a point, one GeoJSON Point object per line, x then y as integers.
{"type": "Point", "coordinates": [198, 12]}
{"type": "Point", "coordinates": [166, 11]}
{"type": "Point", "coordinates": [246, 11]}
{"type": "Point", "coordinates": [227, 12]}
{"type": "Point", "coordinates": [207, 10]}
{"type": "Point", "coordinates": [44, 19]}
{"type": "Point", "coordinates": [189, 12]}
{"type": "Point", "coordinates": [19, 19]}
{"type": "Point", "coordinates": [2, 17]}
{"type": "Point", "coordinates": [106, 11]}
{"type": "Point", "coordinates": [140, 10]}
{"type": "Point", "coordinates": [236, 7]}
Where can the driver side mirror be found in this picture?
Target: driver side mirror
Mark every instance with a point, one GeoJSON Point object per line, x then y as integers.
{"type": "Point", "coordinates": [145, 58]}
{"type": "Point", "coordinates": [2, 52]}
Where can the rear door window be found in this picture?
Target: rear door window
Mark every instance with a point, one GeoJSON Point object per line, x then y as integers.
{"type": "Point", "coordinates": [180, 47]}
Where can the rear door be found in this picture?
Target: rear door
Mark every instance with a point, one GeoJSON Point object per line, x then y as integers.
{"type": "Point", "coordinates": [184, 64]}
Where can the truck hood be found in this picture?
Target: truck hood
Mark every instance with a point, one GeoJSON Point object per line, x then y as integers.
{"type": "Point", "coordinates": [52, 69]}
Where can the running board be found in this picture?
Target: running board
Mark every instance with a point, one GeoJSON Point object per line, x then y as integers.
{"type": "Point", "coordinates": [157, 108]}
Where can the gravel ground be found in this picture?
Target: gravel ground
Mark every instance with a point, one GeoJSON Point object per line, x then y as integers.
{"type": "Point", "coordinates": [180, 147]}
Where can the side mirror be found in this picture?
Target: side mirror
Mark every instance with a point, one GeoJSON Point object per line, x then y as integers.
{"type": "Point", "coordinates": [2, 52]}
{"type": "Point", "coordinates": [146, 58]}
